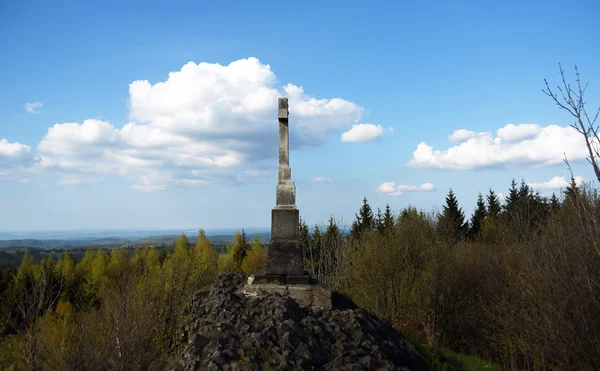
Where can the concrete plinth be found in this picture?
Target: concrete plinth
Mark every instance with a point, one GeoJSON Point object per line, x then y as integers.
{"type": "Point", "coordinates": [314, 297]}
{"type": "Point", "coordinates": [285, 257]}
{"type": "Point", "coordinates": [285, 224]}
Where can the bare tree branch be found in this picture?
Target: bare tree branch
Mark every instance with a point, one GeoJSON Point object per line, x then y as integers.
{"type": "Point", "coordinates": [574, 103]}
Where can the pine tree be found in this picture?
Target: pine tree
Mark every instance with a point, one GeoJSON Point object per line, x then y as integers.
{"type": "Point", "coordinates": [305, 239]}
{"type": "Point", "coordinates": [477, 218]}
{"type": "Point", "coordinates": [388, 218]}
{"type": "Point", "coordinates": [452, 225]}
{"type": "Point", "coordinates": [379, 221]}
{"type": "Point", "coordinates": [512, 200]}
{"type": "Point", "coordinates": [493, 204]}
{"type": "Point", "coordinates": [365, 221]}
{"type": "Point", "coordinates": [554, 202]}
{"type": "Point", "coordinates": [572, 192]}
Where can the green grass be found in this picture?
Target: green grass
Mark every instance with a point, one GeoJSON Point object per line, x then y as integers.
{"type": "Point", "coordinates": [447, 360]}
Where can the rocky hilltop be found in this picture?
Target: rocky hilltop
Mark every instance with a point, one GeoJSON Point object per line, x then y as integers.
{"type": "Point", "coordinates": [227, 330]}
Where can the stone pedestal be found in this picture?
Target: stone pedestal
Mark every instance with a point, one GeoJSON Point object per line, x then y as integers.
{"type": "Point", "coordinates": [285, 224]}
{"type": "Point", "coordinates": [315, 297]}
{"type": "Point", "coordinates": [285, 257]}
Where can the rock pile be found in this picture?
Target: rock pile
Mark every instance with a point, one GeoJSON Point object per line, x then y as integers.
{"type": "Point", "coordinates": [229, 331]}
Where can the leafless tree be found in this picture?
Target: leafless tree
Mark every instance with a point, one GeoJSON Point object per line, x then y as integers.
{"type": "Point", "coordinates": [574, 103]}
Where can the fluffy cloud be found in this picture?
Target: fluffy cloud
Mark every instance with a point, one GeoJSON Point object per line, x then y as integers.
{"type": "Point", "coordinates": [15, 156]}
{"type": "Point", "coordinates": [34, 107]}
{"type": "Point", "coordinates": [513, 145]}
{"type": "Point", "coordinates": [363, 133]}
{"type": "Point", "coordinates": [199, 126]}
{"type": "Point", "coordinates": [557, 182]}
{"type": "Point", "coordinates": [320, 179]}
{"type": "Point", "coordinates": [391, 189]}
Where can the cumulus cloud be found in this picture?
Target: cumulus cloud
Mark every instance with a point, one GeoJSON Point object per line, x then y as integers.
{"type": "Point", "coordinates": [201, 125]}
{"type": "Point", "coordinates": [513, 145]}
{"type": "Point", "coordinates": [557, 182]}
{"type": "Point", "coordinates": [391, 189]}
{"type": "Point", "coordinates": [34, 107]}
{"type": "Point", "coordinates": [461, 135]}
{"type": "Point", "coordinates": [363, 133]}
{"type": "Point", "coordinates": [320, 179]}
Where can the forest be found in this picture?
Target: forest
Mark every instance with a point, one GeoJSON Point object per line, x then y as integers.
{"type": "Point", "coordinates": [518, 284]}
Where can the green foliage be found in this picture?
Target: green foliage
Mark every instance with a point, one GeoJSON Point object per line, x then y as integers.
{"type": "Point", "coordinates": [364, 222]}
{"type": "Point", "coordinates": [239, 249]}
{"type": "Point", "coordinates": [451, 223]}
{"type": "Point", "coordinates": [256, 259]}
{"type": "Point", "coordinates": [477, 219]}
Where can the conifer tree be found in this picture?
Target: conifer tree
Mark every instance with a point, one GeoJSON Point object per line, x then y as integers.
{"type": "Point", "coordinates": [388, 218]}
{"type": "Point", "coordinates": [365, 221]}
{"type": "Point", "coordinates": [554, 202]}
{"type": "Point", "coordinates": [305, 239]}
{"type": "Point", "coordinates": [493, 204]}
{"type": "Point", "coordinates": [512, 199]}
{"type": "Point", "coordinates": [452, 225]}
{"type": "Point", "coordinates": [477, 218]}
{"type": "Point", "coordinates": [379, 221]}
{"type": "Point", "coordinates": [572, 192]}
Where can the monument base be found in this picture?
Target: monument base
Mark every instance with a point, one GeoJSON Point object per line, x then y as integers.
{"type": "Point", "coordinates": [308, 296]}
{"type": "Point", "coordinates": [284, 257]}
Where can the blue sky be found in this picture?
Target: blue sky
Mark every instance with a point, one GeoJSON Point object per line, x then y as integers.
{"type": "Point", "coordinates": [142, 115]}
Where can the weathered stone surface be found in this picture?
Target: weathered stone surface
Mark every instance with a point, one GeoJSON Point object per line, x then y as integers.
{"type": "Point", "coordinates": [235, 331]}
{"type": "Point", "coordinates": [286, 193]}
{"type": "Point", "coordinates": [283, 108]}
{"type": "Point", "coordinates": [255, 279]}
{"type": "Point", "coordinates": [311, 297]}
{"type": "Point", "coordinates": [297, 280]}
{"type": "Point", "coordinates": [285, 224]}
{"type": "Point", "coordinates": [285, 257]}
{"type": "Point", "coordinates": [285, 173]}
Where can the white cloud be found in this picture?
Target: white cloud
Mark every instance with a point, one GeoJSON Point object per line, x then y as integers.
{"type": "Point", "coordinates": [557, 182]}
{"type": "Point", "coordinates": [501, 196]}
{"type": "Point", "coordinates": [320, 179]}
{"type": "Point", "coordinates": [363, 133]}
{"type": "Point", "coordinates": [199, 126]}
{"type": "Point", "coordinates": [15, 159]}
{"type": "Point", "coordinates": [34, 107]}
{"type": "Point", "coordinates": [391, 189]}
{"type": "Point", "coordinates": [391, 130]}
{"type": "Point", "coordinates": [514, 145]}
{"type": "Point", "coordinates": [461, 135]}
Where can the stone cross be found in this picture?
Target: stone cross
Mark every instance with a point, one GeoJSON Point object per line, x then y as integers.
{"type": "Point", "coordinates": [284, 257]}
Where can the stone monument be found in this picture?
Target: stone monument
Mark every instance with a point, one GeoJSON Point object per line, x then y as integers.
{"type": "Point", "coordinates": [284, 256]}
{"type": "Point", "coordinates": [285, 267]}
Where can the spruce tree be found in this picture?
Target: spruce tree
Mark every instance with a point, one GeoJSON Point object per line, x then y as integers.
{"type": "Point", "coordinates": [493, 204]}
{"type": "Point", "coordinates": [477, 218]}
{"type": "Point", "coordinates": [452, 225]}
{"type": "Point", "coordinates": [512, 200]}
{"type": "Point", "coordinates": [388, 218]}
{"type": "Point", "coordinates": [554, 202]}
{"type": "Point", "coordinates": [379, 222]}
{"type": "Point", "coordinates": [365, 221]}
{"type": "Point", "coordinates": [572, 192]}
{"type": "Point", "coordinates": [305, 238]}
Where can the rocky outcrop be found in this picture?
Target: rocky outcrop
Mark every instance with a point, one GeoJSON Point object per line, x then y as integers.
{"type": "Point", "coordinates": [229, 331]}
